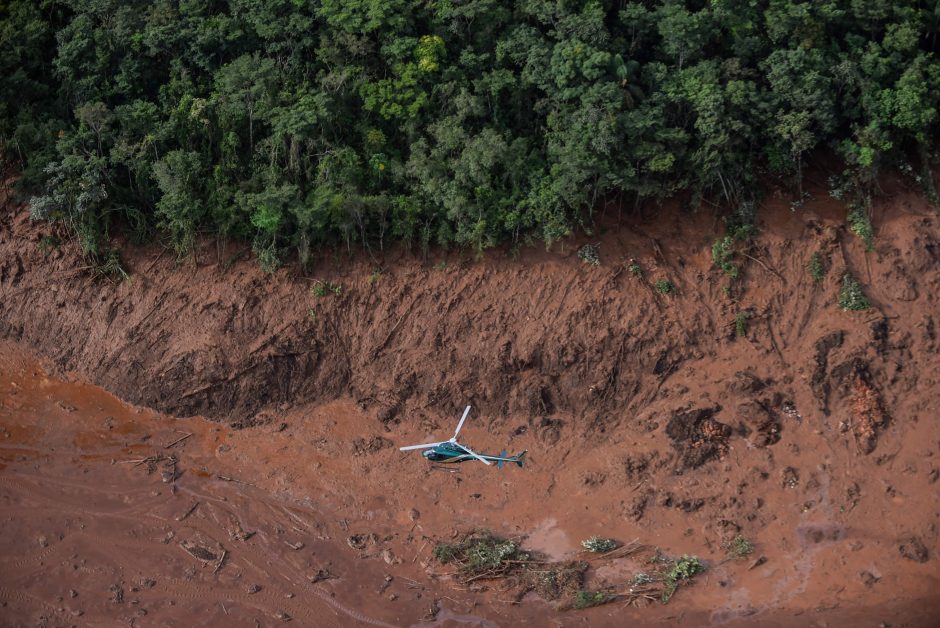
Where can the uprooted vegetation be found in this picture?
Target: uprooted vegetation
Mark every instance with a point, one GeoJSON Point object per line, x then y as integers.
{"type": "Point", "coordinates": [481, 555]}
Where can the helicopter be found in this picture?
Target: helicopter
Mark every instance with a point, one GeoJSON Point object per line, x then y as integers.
{"type": "Point", "coordinates": [448, 451]}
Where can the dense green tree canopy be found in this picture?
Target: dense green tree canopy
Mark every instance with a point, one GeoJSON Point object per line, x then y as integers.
{"type": "Point", "coordinates": [300, 123]}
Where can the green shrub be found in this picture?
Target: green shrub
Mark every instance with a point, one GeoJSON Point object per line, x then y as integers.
{"type": "Point", "coordinates": [851, 295]}
{"type": "Point", "coordinates": [587, 599]}
{"type": "Point", "coordinates": [635, 269]}
{"type": "Point", "coordinates": [664, 287]}
{"type": "Point", "coordinates": [683, 570]}
{"type": "Point", "coordinates": [589, 255]}
{"type": "Point", "coordinates": [723, 254]}
{"type": "Point", "coordinates": [816, 267]}
{"type": "Point", "coordinates": [740, 323]}
{"type": "Point", "coordinates": [860, 224]}
{"type": "Point", "coordinates": [599, 545]}
{"type": "Point", "coordinates": [738, 547]}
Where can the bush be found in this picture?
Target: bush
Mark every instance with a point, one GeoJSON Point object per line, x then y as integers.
{"type": "Point", "coordinates": [860, 224]}
{"type": "Point", "coordinates": [587, 599]}
{"type": "Point", "coordinates": [598, 545]}
{"type": "Point", "coordinates": [851, 296]}
{"type": "Point", "coordinates": [589, 255]}
{"type": "Point", "coordinates": [683, 569]}
{"type": "Point", "coordinates": [738, 547]}
{"type": "Point", "coordinates": [664, 287]}
{"type": "Point", "coordinates": [740, 323]}
{"type": "Point", "coordinates": [723, 253]}
{"type": "Point", "coordinates": [816, 267]}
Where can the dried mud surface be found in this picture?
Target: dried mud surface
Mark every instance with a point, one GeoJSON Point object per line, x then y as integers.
{"type": "Point", "coordinates": [645, 418]}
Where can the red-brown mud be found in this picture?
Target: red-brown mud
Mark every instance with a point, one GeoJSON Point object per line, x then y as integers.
{"type": "Point", "coordinates": [645, 417]}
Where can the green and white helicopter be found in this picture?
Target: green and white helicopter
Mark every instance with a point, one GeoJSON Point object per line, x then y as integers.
{"type": "Point", "coordinates": [448, 451]}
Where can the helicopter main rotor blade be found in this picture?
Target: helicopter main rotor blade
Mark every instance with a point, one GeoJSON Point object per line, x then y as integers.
{"type": "Point", "coordinates": [460, 425]}
{"type": "Point", "coordinates": [427, 446]}
{"type": "Point", "coordinates": [476, 455]}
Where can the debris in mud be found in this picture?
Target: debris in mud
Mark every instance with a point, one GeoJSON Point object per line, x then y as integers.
{"type": "Point", "coordinates": [282, 616]}
{"type": "Point", "coordinates": [254, 588]}
{"type": "Point", "coordinates": [638, 506]}
{"type": "Point", "coordinates": [187, 512]}
{"type": "Point", "coordinates": [914, 549]}
{"type": "Point", "coordinates": [360, 541]}
{"type": "Point", "coordinates": [697, 437]}
{"type": "Point", "coordinates": [198, 551]}
{"type": "Point", "coordinates": [362, 446]}
{"type": "Point", "coordinates": [789, 410]}
{"type": "Point", "coordinates": [321, 575]}
{"type": "Point", "coordinates": [117, 593]}
{"type": "Point", "coordinates": [759, 419]}
{"type": "Point", "coordinates": [819, 381]}
{"type": "Point", "coordinates": [791, 478]}
{"type": "Point", "coordinates": [868, 414]}
{"type": "Point", "coordinates": [868, 578]}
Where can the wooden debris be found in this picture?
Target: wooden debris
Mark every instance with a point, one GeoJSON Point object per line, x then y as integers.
{"type": "Point", "coordinates": [188, 512]}
{"type": "Point", "coordinates": [218, 565]}
{"type": "Point", "coordinates": [178, 440]}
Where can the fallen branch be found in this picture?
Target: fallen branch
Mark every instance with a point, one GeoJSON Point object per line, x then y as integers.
{"type": "Point", "coordinates": [178, 440]}
{"type": "Point", "coordinates": [218, 565]}
{"type": "Point", "coordinates": [188, 512]}
{"type": "Point", "coordinates": [766, 267]}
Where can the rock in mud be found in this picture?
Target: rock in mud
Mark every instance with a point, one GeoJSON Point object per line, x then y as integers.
{"type": "Point", "coordinates": [914, 549]}
{"type": "Point", "coordinates": [760, 421]}
{"type": "Point", "coordinates": [697, 436]}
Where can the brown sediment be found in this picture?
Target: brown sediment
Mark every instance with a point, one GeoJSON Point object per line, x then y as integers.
{"type": "Point", "coordinates": [643, 419]}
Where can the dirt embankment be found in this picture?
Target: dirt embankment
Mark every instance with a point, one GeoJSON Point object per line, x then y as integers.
{"type": "Point", "coordinates": [543, 336]}
{"type": "Point", "coordinates": [646, 415]}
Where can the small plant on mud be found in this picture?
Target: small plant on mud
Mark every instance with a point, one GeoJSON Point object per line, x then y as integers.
{"type": "Point", "coordinates": [683, 570]}
{"type": "Point", "coordinates": [323, 288]}
{"type": "Point", "coordinates": [860, 225]}
{"type": "Point", "coordinates": [441, 265]}
{"type": "Point", "coordinates": [598, 545]}
{"type": "Point", "coordinates": [816, 267]}
{"type": "Point", "coordinates": [109, 266]}
{"type": "Point", "coordinates": [374, 277]}
{"type": "Point", "coordinates": [587, 599]}
{"type": "Point", "coordinates": [851, 295]}
{"type": "Point", "coordinates": [738, 547]}
{"type": "Point", "coordinates": [723, 254]}
{"type": "Point", "coordinates": [589, 255]}
{"type": "Point", "coordinates": [740, 323]}
{"type": "Point", "coordinates": [635, 269]}
{"type": "Point", "coordinates": [642, 578]}
{"type": "Point", "coordinates": [664, 286]}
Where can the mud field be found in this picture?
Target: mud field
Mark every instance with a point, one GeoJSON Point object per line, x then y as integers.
{"type": "Point", "coordinates": [647, 418]}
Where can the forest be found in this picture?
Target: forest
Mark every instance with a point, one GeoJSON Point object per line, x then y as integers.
{"type": "Point", "coordinates": [301, 124]}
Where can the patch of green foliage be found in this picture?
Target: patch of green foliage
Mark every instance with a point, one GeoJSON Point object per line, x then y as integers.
{"type": "Point", "coordinates": [635, 269]}
{"type": "Point", "coordinates": [300, 125]}
{"type": "Point", "coordinates": [479, 552]}
{"type": "Point", "coordinates": [664, 286]}
{"type": "Point", "coordinates": [323, 288]}
{"type": "Point", "coordinates": [683, 569]}
{"type": "Point", "coordinates": [860, 225]}
{"type": "Point", "coordinates": [740, 323]}
{"type": "Point", "coordinates": [816, 267]}
{"type": "Point", "coordinates": [587, 599]}
{"type": "Point", "coordinates": [851, 295]}
{"type": "Point", "coordinates": [589, 255]}
{"type": "Point", "coordinates": [642, 578]}
{"type": "Point", "coordinates": [723, 254]}
{"type": "Point", "coordinates": [738, 547]}
{"type": "Point", "coordinates": [599, 545]}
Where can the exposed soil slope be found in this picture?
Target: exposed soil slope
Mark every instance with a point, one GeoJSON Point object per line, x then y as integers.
{"type": "Point", "coordinates": [645, 415]}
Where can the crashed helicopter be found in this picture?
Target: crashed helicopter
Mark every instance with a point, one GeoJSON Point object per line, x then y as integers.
{"type": "Point", "coordinates": [449, 451]}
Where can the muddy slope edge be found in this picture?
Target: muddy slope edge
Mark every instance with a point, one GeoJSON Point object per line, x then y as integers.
{"type": "Point", "coordinates": [542, 335]}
